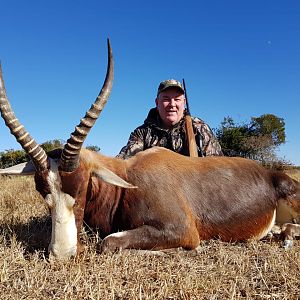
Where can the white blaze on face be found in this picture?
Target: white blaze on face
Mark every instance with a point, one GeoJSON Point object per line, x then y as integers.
{"type": "Point", "coordinates": [64, 232]}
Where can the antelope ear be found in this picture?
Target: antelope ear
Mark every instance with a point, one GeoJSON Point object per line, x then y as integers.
{"type": "Point", "coordinates": [112, 178]}
{"type": "Point", "coordinates": [26, 168]}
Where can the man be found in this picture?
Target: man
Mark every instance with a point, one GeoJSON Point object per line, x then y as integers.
{"type": "Point", "coordinates": [165, 126]}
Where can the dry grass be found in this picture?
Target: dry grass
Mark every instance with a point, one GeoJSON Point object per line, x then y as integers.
{"type": "Point", "coordinates": [294, 173]}
{"type": "Point", "coordinates": [257, 270]}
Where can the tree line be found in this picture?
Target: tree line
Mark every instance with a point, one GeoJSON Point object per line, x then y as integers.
{"type": "Point", "coordinates": [13, 157]}
{"type": "Point", "coordinates": [257, 139]}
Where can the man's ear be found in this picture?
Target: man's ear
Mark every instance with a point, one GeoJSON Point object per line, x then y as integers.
{"type": "Point", "coordinates": [156, 101]}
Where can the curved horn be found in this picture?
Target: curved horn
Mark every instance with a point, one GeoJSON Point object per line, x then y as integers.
{"type": "Point", "coordinates": [35, 151]}
{"type": "Point", "coordinates": [70, 155]}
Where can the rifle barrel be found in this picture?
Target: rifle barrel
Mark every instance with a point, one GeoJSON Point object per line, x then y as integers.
{"type": "Point", "coordinates": [186, 99]}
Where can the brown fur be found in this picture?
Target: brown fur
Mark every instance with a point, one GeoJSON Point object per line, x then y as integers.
{"type": "Point", "coordinates": [289, 208]}
{"type": "Point", "coordinates": [179, 200]}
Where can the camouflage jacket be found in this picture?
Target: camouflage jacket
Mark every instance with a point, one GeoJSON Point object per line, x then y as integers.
{"type": "Point", "coordinates": [152, 134]}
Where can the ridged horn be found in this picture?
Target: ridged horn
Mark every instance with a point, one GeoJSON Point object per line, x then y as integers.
{"type": "Point", "coordinates": [70, 155]}
{"type": "Point", "coordinates": [35, 151]}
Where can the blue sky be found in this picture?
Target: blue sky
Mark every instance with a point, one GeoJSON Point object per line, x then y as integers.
{"type": "Point", "coordinates": [238, 58]}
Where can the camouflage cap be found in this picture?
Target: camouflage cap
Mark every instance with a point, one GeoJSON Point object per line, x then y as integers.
{"type": "Point", "coordinates": [168, 84]}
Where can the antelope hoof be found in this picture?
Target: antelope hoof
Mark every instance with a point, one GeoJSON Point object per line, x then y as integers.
{"type": "Point", "coordinates": [109, 245]}
{"type": "Point", "coordinates": [287, 244]}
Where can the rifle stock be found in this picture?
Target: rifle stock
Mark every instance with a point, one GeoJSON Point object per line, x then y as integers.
{"type": "Point", "coordinates": [191, 137]}
{"type": "Point", "coordinates": [191, 142]}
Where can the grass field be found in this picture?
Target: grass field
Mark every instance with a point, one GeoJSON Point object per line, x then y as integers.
{"type": "Point", "coordinates": [256, 270]}
{"type": "Point", "coordinates": [294, 173]}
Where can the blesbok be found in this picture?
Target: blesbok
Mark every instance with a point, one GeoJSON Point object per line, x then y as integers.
{"type": "Point", "coordinates": [155, 200]}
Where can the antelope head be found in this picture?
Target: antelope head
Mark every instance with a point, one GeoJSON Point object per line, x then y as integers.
{"type": "Point", "coordinates": [58, 178]}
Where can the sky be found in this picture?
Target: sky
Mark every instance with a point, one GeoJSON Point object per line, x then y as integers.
{"type": "Point", "coordinates": [238, 58]}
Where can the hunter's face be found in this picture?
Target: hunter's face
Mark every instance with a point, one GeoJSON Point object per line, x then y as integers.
{"type": "Point", "coordinates": [170, 105]}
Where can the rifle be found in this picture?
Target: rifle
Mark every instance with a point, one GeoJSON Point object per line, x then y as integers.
{"type": "Point", "coordinates": [191, 142]}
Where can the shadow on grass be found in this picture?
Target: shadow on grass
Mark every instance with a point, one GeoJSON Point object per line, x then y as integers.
{"type": "Point", "coordinates": [34, 235]}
